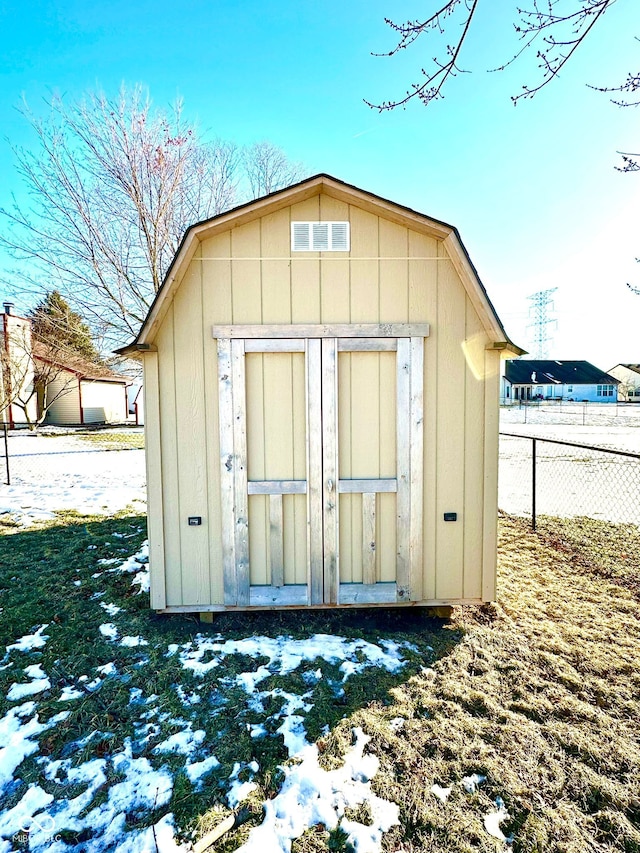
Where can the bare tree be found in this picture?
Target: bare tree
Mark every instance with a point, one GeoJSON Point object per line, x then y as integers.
{"type": "Point", "coordinates": [267, 168]}
{"type": "Point", "coordinates": [553, 34]}
{"type": "Point", "coordinates": [113, 186]}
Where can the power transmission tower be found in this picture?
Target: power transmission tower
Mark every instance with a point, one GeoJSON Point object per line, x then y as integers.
{"type": "Point", "coordinates": [542, 305]}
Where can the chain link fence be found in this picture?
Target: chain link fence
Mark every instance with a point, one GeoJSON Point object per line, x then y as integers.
{"type": "Point", "coordinates": [29, 458]}
{"type": "Point", "coordinates": [540, 476]}
{"type": "Point", "coordinates": [546, 412]}
{"type": "Point", "coordinates": [4, 459]}
{"type": "Point", "coordinates": [536, 475]}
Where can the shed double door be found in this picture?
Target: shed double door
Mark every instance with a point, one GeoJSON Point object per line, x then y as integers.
{"type": "Point", "coordinates": [321, 463]}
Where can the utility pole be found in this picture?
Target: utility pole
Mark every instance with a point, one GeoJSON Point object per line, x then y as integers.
{"type": "Point", "coordinates": [541, 305]}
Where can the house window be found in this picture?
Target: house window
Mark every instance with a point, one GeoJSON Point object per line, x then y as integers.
{"type": "Point", "coordinates": [605, 390]}
{"type": "Point", "coordinates": [320, 237]}
{"type": "Point", "coordinates": [569, 389]}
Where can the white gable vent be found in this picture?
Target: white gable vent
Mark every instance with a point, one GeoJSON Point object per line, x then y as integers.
{"type": "Point", "coordinates": [320, 236]}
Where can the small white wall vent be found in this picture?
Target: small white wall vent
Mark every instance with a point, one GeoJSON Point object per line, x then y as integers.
{"type": "Point", "coordinates": [320, 236]}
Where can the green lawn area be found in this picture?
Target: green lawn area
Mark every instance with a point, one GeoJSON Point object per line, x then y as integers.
{"type": "Point", "coordinates": [107, 440]}
{"type": "Point", "coordinates": [539, 694]}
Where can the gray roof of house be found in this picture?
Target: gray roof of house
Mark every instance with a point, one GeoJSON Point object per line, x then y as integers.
{"type": "Point", "coordinates": [548, 372]}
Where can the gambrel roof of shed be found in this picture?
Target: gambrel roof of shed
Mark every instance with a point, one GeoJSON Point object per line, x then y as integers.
{"type": "Point", "coordinates": [550, 372]}
{"type": "Point", "coordinates": [341, 191]}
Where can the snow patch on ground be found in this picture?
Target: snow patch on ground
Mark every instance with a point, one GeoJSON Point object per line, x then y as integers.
{"type": "Point", "coordinates": [30, 641]}
{"type": "Point", "coordinates": [441, 793]}
{"type": "Point", "coordinates": [138, 563]}
{"type": "Point", "coordinates": [109, 631]}
{"type": "Point", "coordinates": [471, 783]}
{"type": "Point", "coordinates": [17, 738]}
{"type": "Point", "coordinates": [493, 820]}
{"type": "Point", "coordinates": [140, 790]}
{"type": "Point", "coordinates": [285, 655]}
{"type": "Point", "coordinates": [311, 795]}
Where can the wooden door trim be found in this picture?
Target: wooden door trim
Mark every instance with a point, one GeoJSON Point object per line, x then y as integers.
{"type": "Point", "coordinates": [322, 485]}
{"type": "Point", "coordinates": [322, 330]}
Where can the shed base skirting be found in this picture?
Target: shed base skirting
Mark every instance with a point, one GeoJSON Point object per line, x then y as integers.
{"type": "Point", "coordinates": [225, 608]}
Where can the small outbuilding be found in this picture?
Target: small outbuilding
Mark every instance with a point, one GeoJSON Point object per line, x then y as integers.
{"type": "Point", "coordinates": [322, 379]}
{"type": "Point", "coordinates": [82, 392]}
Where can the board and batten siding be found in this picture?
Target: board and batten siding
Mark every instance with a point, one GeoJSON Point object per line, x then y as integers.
{"type": "Point", "coordinates": [248, 275]}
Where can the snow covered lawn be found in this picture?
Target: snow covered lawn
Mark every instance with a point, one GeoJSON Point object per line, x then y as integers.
{"type": "Point", "coordinates": [51, 472]}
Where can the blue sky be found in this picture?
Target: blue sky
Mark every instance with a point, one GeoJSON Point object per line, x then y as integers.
{"type": "Point", "coordinates": [532, 189]}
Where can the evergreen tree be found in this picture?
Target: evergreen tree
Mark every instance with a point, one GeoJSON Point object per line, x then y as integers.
{"type": "Point", "coordinates": [56, 325]}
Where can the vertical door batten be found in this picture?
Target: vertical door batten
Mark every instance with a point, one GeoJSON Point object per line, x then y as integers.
{"type": "Point", "coordinates": [403, 496]}
{"type": "Point", "coordinates": [416, 451]}
{"type": "Point", "coordinates": [153, 459]}
{"type": "Point", "coordinates": [314, 472]}
{"type": "Point", "coordinates": [276, 540]}
{"type": "Point", "coordinates": [241, 504]}
{"type": "Point", "coordinates": [227, 478]}
{"type": "Point", "coordinates": [329, 395]}
{"type": "Point", "coordinates": [368, 537]}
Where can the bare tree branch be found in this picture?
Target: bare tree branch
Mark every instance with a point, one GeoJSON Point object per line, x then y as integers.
{"type": "Point", "coordinates": [556, 30]}
{"type": "Point", "coordinates": [630, 162]}
{"type": "Point", "coordinates": [431, 87]}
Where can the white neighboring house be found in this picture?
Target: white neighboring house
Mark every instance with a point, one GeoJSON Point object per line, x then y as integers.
{"type": "Point", "coordinates": [35, 378]}
{"type": "Point", "coordinates": [629, 377]}
{"type": "Point", "coordinates": [16, 369]}
{"type": "Point", "coordinates": [532, 379]}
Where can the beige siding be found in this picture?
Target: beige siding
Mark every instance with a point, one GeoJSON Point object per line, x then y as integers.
{"type": "Point", "coordinates": [474, 438]}
{"type": "Point", "coordinates": [169, 451]}
{"type": "Point", "coordinates": [153, 459]}
{"type": "Point", "coordinates": [392, 274]}
{"type": "Point", "coordinates": [103, 402]}
{"type": "Point", "coordinates": [66, 408]}
{"type": "Point", "coordinates": [191, 438]}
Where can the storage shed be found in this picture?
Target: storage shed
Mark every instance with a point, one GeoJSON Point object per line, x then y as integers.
{"type": "Point", "coordinates": [322, 374]}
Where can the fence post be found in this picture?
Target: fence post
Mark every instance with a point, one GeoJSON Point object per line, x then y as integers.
{"type": "Point", "coordinates": [533, 483]}
{"type": "Point", "coordinates": [6, 450]}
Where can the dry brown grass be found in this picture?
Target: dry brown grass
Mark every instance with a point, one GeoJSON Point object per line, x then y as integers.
{"type": "Point", "coordinates": [541, 696]}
